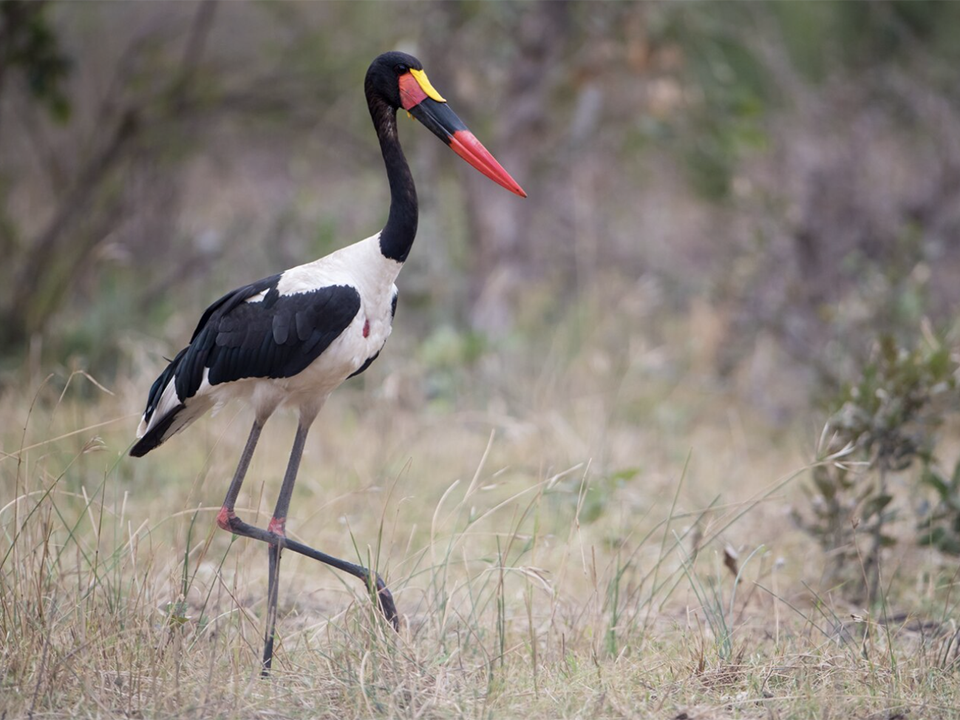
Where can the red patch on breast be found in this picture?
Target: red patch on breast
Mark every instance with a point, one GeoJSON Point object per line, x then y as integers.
{"type": "Point", "coordinates": [366, 328]}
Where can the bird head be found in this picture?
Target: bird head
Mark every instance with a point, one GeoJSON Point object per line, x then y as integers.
{"type": "Point", "coordinates": [400, 80]}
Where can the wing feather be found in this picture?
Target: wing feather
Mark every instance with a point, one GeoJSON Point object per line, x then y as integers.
{"type": "Point", "coordinates": [275, 337]}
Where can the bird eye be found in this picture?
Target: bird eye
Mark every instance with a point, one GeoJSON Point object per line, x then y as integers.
{"type": "Point", "coordinates": [401, 69]}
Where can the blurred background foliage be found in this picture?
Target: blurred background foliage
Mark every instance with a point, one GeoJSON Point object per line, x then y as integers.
{"type": "Point", "coordinates": [778, 184]}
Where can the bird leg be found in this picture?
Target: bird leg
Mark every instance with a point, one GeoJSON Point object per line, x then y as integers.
{"type": "Point", "coordinates": [372, 579]}
{"type": "Point", "coordinates": [230, 501]}
{"type": "Point", "coordinates": [277, 527]}
{"type": "Point", "coordinates": [273, 555]}
{"type": "Point", "coordinates": [275, 537]}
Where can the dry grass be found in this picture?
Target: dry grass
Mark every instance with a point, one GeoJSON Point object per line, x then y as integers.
{"type": "Point", "coordinates": [556, 542]}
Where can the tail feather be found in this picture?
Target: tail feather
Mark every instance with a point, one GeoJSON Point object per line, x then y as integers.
{"type": "Point", "coordinates": [172, 422]}
{"type": "Point", "coordinates": [156, 435]}
{"type": "Point", "coordinates": [166, 413]}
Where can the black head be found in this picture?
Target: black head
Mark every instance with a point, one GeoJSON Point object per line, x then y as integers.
{"type": "Point", "coordinates": [397, 80]}
{"type": "Point", "coordinates": [383, 76]}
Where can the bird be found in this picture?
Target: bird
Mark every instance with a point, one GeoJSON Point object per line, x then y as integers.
{"type": "Point", "coordinates": [290, 339]}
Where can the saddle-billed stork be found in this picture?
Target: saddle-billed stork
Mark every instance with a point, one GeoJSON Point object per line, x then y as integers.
{"type": "Point", "coordinates": [292, 338]}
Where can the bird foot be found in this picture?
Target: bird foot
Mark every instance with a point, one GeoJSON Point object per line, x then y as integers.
{"type": "Point", "coordinates": [387, 606]}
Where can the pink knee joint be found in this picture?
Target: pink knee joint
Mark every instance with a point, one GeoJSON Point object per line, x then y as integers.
{"type": "Point", "coordinates": [277, 526]}
{"type": "Point", "coordinates": [224, 517]}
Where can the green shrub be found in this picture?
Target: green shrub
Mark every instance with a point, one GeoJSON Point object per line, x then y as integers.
{"type": "Point", "coordinates": [883, 427]}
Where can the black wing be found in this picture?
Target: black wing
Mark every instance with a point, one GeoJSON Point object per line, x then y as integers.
{"type": "Point", "coordinates": [276, 337]}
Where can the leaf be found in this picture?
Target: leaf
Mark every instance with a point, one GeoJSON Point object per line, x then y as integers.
{"type": "Point", "coordinates": [176, 613]}
{"type": "Point", "coordinates": [932, 478]}
{"type": "Point", "coordinates": [876, 504]}
{"type": "Point", "coordinates": [625, 474]}
{"type": "Point", "coordinates": [730, 558]}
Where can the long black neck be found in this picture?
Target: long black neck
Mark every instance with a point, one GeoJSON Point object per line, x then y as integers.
{"type": "Point", "coordinates": [401, 228]}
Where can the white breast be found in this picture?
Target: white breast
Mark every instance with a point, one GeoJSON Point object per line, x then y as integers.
{"type": "Point", "coordinates": [363, 267]}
